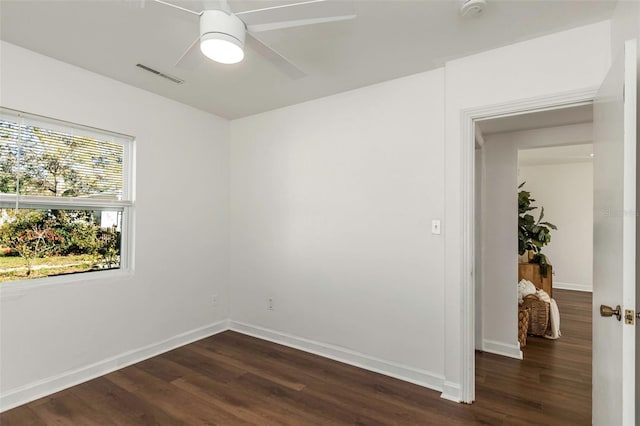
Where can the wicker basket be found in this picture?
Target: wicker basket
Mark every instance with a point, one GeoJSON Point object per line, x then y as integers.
{"type": "Point", "coordinates": [523, 325]}
{"type": "Point", "coordinates": [538, 315]}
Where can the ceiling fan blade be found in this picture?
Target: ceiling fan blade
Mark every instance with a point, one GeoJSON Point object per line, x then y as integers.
{"type": "Point", "coordinates": [297, 23]}
{"type": "Point", "coordinates": [246, 12]}
{"type": "Point", "coordinates": [280, 62]}
{"type": "Point", "coordinates": [191, 58]}
{"type": "Point", "coordinates": [175, 6]}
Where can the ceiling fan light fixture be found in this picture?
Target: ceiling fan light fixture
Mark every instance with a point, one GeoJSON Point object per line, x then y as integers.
{"type": "Point", "coordinates": [222, 36]}
{"type": "Point", "coordinates": [221, 48]}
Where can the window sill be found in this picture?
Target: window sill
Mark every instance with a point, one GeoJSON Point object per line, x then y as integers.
{"type": "Point", "coordinates": [17, 289]}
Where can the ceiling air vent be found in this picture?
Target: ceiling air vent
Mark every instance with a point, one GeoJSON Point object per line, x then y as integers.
{"type": "Point", "coordinates": [161, 74]}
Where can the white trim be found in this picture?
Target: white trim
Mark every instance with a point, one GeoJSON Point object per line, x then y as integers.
{"type": "Point", "coordinates": [32, 391]}
{"type": "Point", "coordinates": [500, 348]}
{"type": "Point", "coordinates": [63, 125]}
{"type": "Point", "coordinates": [629, 218]}
{"type": "Point", "coordinates": [16, 289]}
{"type": "Point", "coordinates": [408, 374]}
{"type": "Point", "coordinates": [573, 286]}
{"type": "Point", "coordinates": [467, 143]}
{"type": "Point", "coordinates": [35, 201]}
{"type": "Point", "coordinates": [127, 236]}
{"type": "Point", "coordinates": [451, 391]}
{"type": "Point", "coordinates": [478, 136]}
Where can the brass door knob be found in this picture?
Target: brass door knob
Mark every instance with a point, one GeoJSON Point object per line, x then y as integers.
{"type": "Point", "coordinates": [608, 311]}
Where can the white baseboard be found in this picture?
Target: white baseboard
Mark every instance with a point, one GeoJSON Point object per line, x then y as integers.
{"type": "Point", "coordinates": [451, 391]}
{"type": "Point", "coordinates": [32, 391]}
{"type": "Point", "coordinates": [572, 286]}
{"type": "Point", "coordinates": [347, 356]}
{"type": "Point", "coordinates": [500, 348]}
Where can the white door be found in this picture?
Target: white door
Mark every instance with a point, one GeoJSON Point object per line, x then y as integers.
{"type": "Point", "coordinates": [614, 257]}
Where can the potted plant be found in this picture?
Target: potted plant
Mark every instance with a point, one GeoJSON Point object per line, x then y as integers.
{"type": "Point", "coordinates": [533, 234]}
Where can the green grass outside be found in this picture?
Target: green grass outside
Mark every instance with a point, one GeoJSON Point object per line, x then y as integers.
{"type": "Point", "coordinates": [6, 277]}
{"type": "Point", "coordinates": [7, 262]}
{"type": "Point", "coordinates": [56, 265]}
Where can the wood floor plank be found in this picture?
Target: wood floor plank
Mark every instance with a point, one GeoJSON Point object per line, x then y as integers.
{"type": "Point", "coordinates": [123, 407]}
{"type": "Point", "coordinates": [174, 401]}
{"type": "Point", "coordinates": [196, 362]}
{"type": "Point", "coordinates": [279, 376]}
{"type": "Point", "coordinates": [234, 379]}
{"type": "Point", "coordinates": [24, 416]}
{"type": "Point", "coordinates": [65, 408]}
{"type": "Point", "coordinates": [322, 406]}
{"type": "Point", "coordinates": [225, 401]}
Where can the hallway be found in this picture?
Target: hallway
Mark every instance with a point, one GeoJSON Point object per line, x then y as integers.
{"type": "Point", "coordinates": [552, 385]}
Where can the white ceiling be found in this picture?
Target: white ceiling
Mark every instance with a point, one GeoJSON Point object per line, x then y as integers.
{"type": "Point", "coordinates": [556, 155]}
{"type": "Point", "coordinates": [537, 120]}
{"type": "Point", "coordinates": [389, 39]}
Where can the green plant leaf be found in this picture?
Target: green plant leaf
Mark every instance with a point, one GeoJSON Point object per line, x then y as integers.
{"type": "Point", "coordinates": [541, 214]}
{"type": "Point", "coordinates": [533, 234]}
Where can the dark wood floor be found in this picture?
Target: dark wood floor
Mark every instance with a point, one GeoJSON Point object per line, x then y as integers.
{"type": "Point", "coordinates": [552, 385]}
{"type": "Point", "coordinates": [235, 379]}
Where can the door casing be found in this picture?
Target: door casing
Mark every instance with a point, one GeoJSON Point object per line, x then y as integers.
{"type": "Point", "coordinates": [468, 117]}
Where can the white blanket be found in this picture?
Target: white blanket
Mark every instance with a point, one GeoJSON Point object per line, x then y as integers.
{"type": "Point", "coordinates": [543, 295]}
{"type": "Point", "coordinates": [554, 318]}
{"type": "Point", "coordinates": [554, 315]}
{"type": "Point", "coordinates": [525, 288]}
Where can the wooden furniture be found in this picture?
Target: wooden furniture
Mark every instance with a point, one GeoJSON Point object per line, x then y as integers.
{"type": "Point", "coordinates": [531, 272]}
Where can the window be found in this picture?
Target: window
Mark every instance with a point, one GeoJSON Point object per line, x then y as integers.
{"type": "Point", "coordinates": [65, 198]}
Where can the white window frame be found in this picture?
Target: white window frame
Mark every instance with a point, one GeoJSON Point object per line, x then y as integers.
{"type": "Point", "coordinates": [125, 205]}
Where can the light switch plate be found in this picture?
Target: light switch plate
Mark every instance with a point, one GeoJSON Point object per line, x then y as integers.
{"type": "Point", "coordinates": [435, 227]}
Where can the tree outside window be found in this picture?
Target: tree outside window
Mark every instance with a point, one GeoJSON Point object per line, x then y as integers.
{"type": "Point", "coordinates": [62, 199]}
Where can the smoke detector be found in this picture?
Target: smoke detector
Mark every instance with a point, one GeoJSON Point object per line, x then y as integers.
{"type": "Point", "coordinates": [472, 8]}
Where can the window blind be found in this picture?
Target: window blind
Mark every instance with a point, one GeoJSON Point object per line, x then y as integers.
{"type": "Point", "coordinates": [46, 159]}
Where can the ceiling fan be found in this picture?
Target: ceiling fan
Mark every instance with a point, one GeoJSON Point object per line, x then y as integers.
{"type": "Point", "coordinates": [223, 34]}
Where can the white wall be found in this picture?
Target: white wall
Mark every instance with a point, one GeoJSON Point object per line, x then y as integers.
{"type": "Point", "coordinates": [567, 61]}
{"type": "Point", "coordinates": [499, 248]}
{"type": "Point", "coordinates": [54, 335]}
{"type": "Point", "coordinates": [499, 223]}
{"type": "Point", "coordinates": [331, 209]}
{"type": "Point", "coordinates": [566, 193]}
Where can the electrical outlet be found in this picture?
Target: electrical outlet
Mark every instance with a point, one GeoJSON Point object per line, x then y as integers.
{"type": "Point", "coordinates": [270, 304]}
{"type": "Point", "coordinates": [214, 300]}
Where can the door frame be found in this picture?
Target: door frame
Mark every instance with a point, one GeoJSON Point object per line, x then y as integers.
{"type": "Point", "coordinates": [467, 138]}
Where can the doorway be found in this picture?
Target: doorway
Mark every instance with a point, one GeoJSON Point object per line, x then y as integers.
{"type": "Point", "coordinates": [552, 151]}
